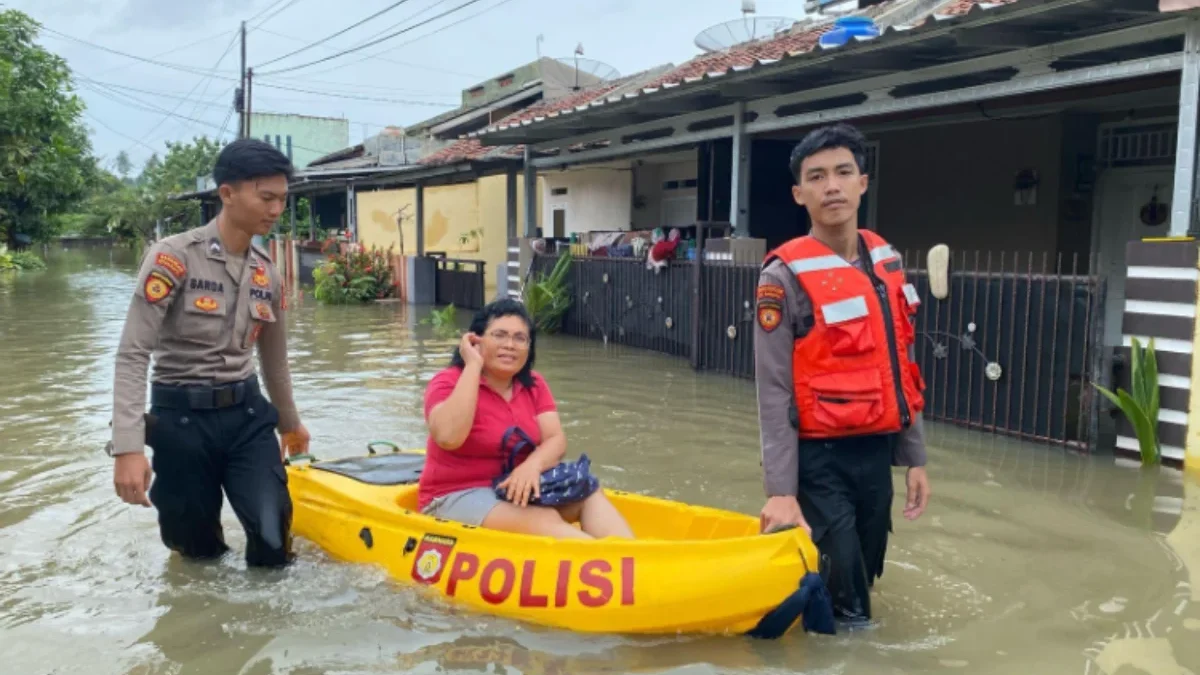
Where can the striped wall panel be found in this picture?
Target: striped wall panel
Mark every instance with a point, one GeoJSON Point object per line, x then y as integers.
{"type": "Point", "coordinates": [513, 263]}
{"type": "Point", "coordinates": [1160, 303]}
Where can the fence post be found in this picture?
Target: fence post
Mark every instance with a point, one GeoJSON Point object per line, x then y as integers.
{"type": "Point", "coordinates": [697, 304]}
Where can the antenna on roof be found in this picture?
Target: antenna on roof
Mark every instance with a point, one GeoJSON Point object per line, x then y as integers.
{"type": "Point", "coordinates": [746, 29]}
{"type": "Point", "coordinates": [598, 70]}
{"type": "Point", "coordinates": [540, 39]}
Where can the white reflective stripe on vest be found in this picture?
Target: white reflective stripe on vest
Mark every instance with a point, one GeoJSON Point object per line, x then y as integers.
{"type": "Point", "coordinates": [910, 294]}
{"type": "Point", "coordinates": [844, 310]}
{"type": "Point", "coordinates": [881, 253]}
{"type": "Point", "coordinates": [825, 262]}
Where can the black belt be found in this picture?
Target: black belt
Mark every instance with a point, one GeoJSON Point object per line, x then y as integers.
{"type": "Point", "coordinates": [192, 397]}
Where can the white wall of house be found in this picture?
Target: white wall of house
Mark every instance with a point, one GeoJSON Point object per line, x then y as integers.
{"type": "Point", "coordinates": [666, 188]}
{"type": "Point", "coordinates": [591, 199]}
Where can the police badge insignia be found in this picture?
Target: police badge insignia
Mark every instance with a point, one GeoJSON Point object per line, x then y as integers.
{"type": "Point", "coordinates": [769, 306]}
{"type": "Point", "coordinates": [431, 558]}
{"type": "Point", "coordinates": [157, 287]}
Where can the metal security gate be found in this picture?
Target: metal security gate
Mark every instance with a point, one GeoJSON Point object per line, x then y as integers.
{"type": "Point", "coordinates": [460, 283]}
{"type": "Point", "coordinates": [1012, 348]}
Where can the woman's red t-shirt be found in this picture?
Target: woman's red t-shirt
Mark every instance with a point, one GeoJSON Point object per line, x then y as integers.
{"type": "Point", "coordinates": [480, 459]}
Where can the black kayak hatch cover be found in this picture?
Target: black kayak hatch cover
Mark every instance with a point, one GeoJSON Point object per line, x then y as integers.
{"type": "Point", "coordinates": [391, 469]}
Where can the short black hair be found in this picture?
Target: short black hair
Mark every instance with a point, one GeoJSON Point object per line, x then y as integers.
{"type": "Point", "coordinates": [828, 138]}
{"type": "Point", "coordinates": [248, 159]}
{"type": "Point", "coordinates": [495, 310]}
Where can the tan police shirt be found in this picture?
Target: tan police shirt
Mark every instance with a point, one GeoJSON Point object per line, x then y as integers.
{"type": "Point", "coordinates": [777, 418]}
{"type": "Point", "coordinates": [200, 311]}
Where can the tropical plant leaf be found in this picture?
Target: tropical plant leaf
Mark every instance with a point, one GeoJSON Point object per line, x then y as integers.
{"type": "Point", "coordinates": [1147, 434]}
{"type": "Point", "coordinates": [1147, 429]}
{"type": "Point", "coordinates": [1150, 376]}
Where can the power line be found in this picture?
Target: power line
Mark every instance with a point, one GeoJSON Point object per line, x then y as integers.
{"type": "Point", "coordinates": [134, 102]}
{"type": "Point", "coordinates": [173, 50]}
{"type": "Point", "coordinates": [418, 66]}
{"type": "Point", "coordinates": [102, 123]}
{"type": "Point", "coordinates": [202, 80]}
{"type": "Point", "coordinates": [271, 7]}
{"type": "Point", "coordinates": [112, 85]}
{"type": "Point", "coordinates": [343, 31]}
{"type": "Point", "coordinates": [164, 64]}
{"type": "Point", "coordinates": [468, 3]}
{"type": "Point", "coordinates": [356, 97]}
{"type": "Point", "coordinates": [394, 48]}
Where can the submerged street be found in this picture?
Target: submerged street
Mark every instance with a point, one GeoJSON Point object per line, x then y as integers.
{"type": "Point", "coordinates": [1029, 559]}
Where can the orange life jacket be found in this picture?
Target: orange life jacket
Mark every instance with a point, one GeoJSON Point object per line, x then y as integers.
{"type": "Point", "coordinates": [851, 372]}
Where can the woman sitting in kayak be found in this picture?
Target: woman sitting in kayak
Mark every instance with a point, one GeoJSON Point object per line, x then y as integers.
{"type": "Point", "coordinates": [471, 407]}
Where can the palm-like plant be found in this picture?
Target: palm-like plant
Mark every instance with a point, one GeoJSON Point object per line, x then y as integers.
{"type": "Point", "coordinates": [1141, 407]}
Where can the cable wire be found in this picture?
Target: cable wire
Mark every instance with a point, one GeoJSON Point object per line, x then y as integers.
{"type": "Point", "coordinates": [417, 66]}
{"type": "Point", "coordinates": [372, 43]}
{"type": "Point", "coordinates": [343, 31]}
{"type": "Point", "coordinates": [163, 64]}
{"type": "Point", "coordinates": [394, 48]}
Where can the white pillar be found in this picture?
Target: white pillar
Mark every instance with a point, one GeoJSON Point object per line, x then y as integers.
{"type": "Point", "coordinates": [530, 195]}
{"type": "Point", "coordinates": [739, 190]}
{"type": "Point", "coordinates": [1185, 153]}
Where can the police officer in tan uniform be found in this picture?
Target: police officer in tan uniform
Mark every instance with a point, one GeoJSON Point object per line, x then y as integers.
{"type": "Point", "coordinates": [203, 301]}
{"type": "Point", "coordinates": [820, 472]}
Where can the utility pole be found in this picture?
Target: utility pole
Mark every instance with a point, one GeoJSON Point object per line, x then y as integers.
{"type": "Point", "coordinates": [241, 98]}
{"type": "Point", "coordinates": [249, 98]}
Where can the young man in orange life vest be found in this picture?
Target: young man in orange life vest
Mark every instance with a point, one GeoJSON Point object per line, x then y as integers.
{"type": "Point", "coordinates": [839, 394]}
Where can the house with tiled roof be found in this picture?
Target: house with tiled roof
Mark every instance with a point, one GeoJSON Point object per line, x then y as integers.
{"type": "Point", "coordinates": [1050, 145]}
{"type": "Point", "coordinates": [465, 196]}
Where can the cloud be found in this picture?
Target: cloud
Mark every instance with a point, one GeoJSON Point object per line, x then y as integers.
{"type": "Point", "coordinates": [178, 16]}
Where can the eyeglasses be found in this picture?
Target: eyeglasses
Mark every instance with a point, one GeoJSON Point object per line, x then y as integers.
{"type": "Point", "coordinates": [519, 339]}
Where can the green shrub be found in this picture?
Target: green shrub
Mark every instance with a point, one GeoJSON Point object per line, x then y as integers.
{"type": "Point", "coordinates": [547, 296]}
{"type": "Point", "coordinates": [354, 276]}
{"type": "Point", "coordinates": [19, 261]}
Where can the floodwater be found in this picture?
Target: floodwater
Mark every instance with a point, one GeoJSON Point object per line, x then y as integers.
{"type": "Point", "coordinates": [1029, 560]}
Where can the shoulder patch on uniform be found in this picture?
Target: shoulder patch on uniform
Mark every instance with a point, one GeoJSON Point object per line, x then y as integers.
{"type": "Point", "coordinates": [171, 264]}
{"type": "Point", "coordinates": [770, 292]}
{"type": "Point", "coordinates": [157, 286]}
{"type": "Point", "coordinates": [893, 265]}
{"type": "Point", "coordinates": [769, 316]}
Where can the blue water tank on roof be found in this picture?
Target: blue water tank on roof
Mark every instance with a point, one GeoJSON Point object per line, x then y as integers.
{"type": "Point", "coordinates": [848, 27]}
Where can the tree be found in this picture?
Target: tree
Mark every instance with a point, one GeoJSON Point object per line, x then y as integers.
{"type": "Point", "coordinates": [124, 165]}
{"type": "Point", "coordinates": [128, 210]}
{"type": "Point", "coordinates": [45, 154]}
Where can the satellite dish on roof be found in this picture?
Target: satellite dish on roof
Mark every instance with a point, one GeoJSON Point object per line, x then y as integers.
{"type": "Point", "coordinates": [725, 35]}
{"type": "Point", "coordinates": [597, 69]}
{"type": "Point", "coordinates": [750, 27]}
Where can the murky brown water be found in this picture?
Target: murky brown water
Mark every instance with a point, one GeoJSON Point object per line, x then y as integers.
{"type": "Point", "coordinates": [1028, 561]}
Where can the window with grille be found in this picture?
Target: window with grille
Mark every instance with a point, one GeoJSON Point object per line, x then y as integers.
{"type": "Point", "coordinates": [1148, 143]}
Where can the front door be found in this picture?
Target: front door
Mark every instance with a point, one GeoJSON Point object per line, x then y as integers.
{"type": "Point", "coordinates": [1123, 195]}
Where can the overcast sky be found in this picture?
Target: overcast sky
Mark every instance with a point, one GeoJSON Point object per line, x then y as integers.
{"type": "Point", "coordinates": [420, 73]}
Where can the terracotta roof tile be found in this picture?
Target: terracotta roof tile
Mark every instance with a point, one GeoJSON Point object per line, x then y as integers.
{"type": "Point", "coordinates": [472, 149]}
{"type": "Point", "coordinates": [795, 41]}
{"type": "Point", "coordinates": [960, 7]}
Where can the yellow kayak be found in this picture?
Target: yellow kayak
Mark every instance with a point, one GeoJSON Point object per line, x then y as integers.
{"type": "Point", "coordinates": [692, 569]}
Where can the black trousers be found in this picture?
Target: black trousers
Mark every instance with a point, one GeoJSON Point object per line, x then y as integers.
{"type": "Point", "coordinates": [846, 497]}
{"type": "Point", "coordinates": [202, 448]}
